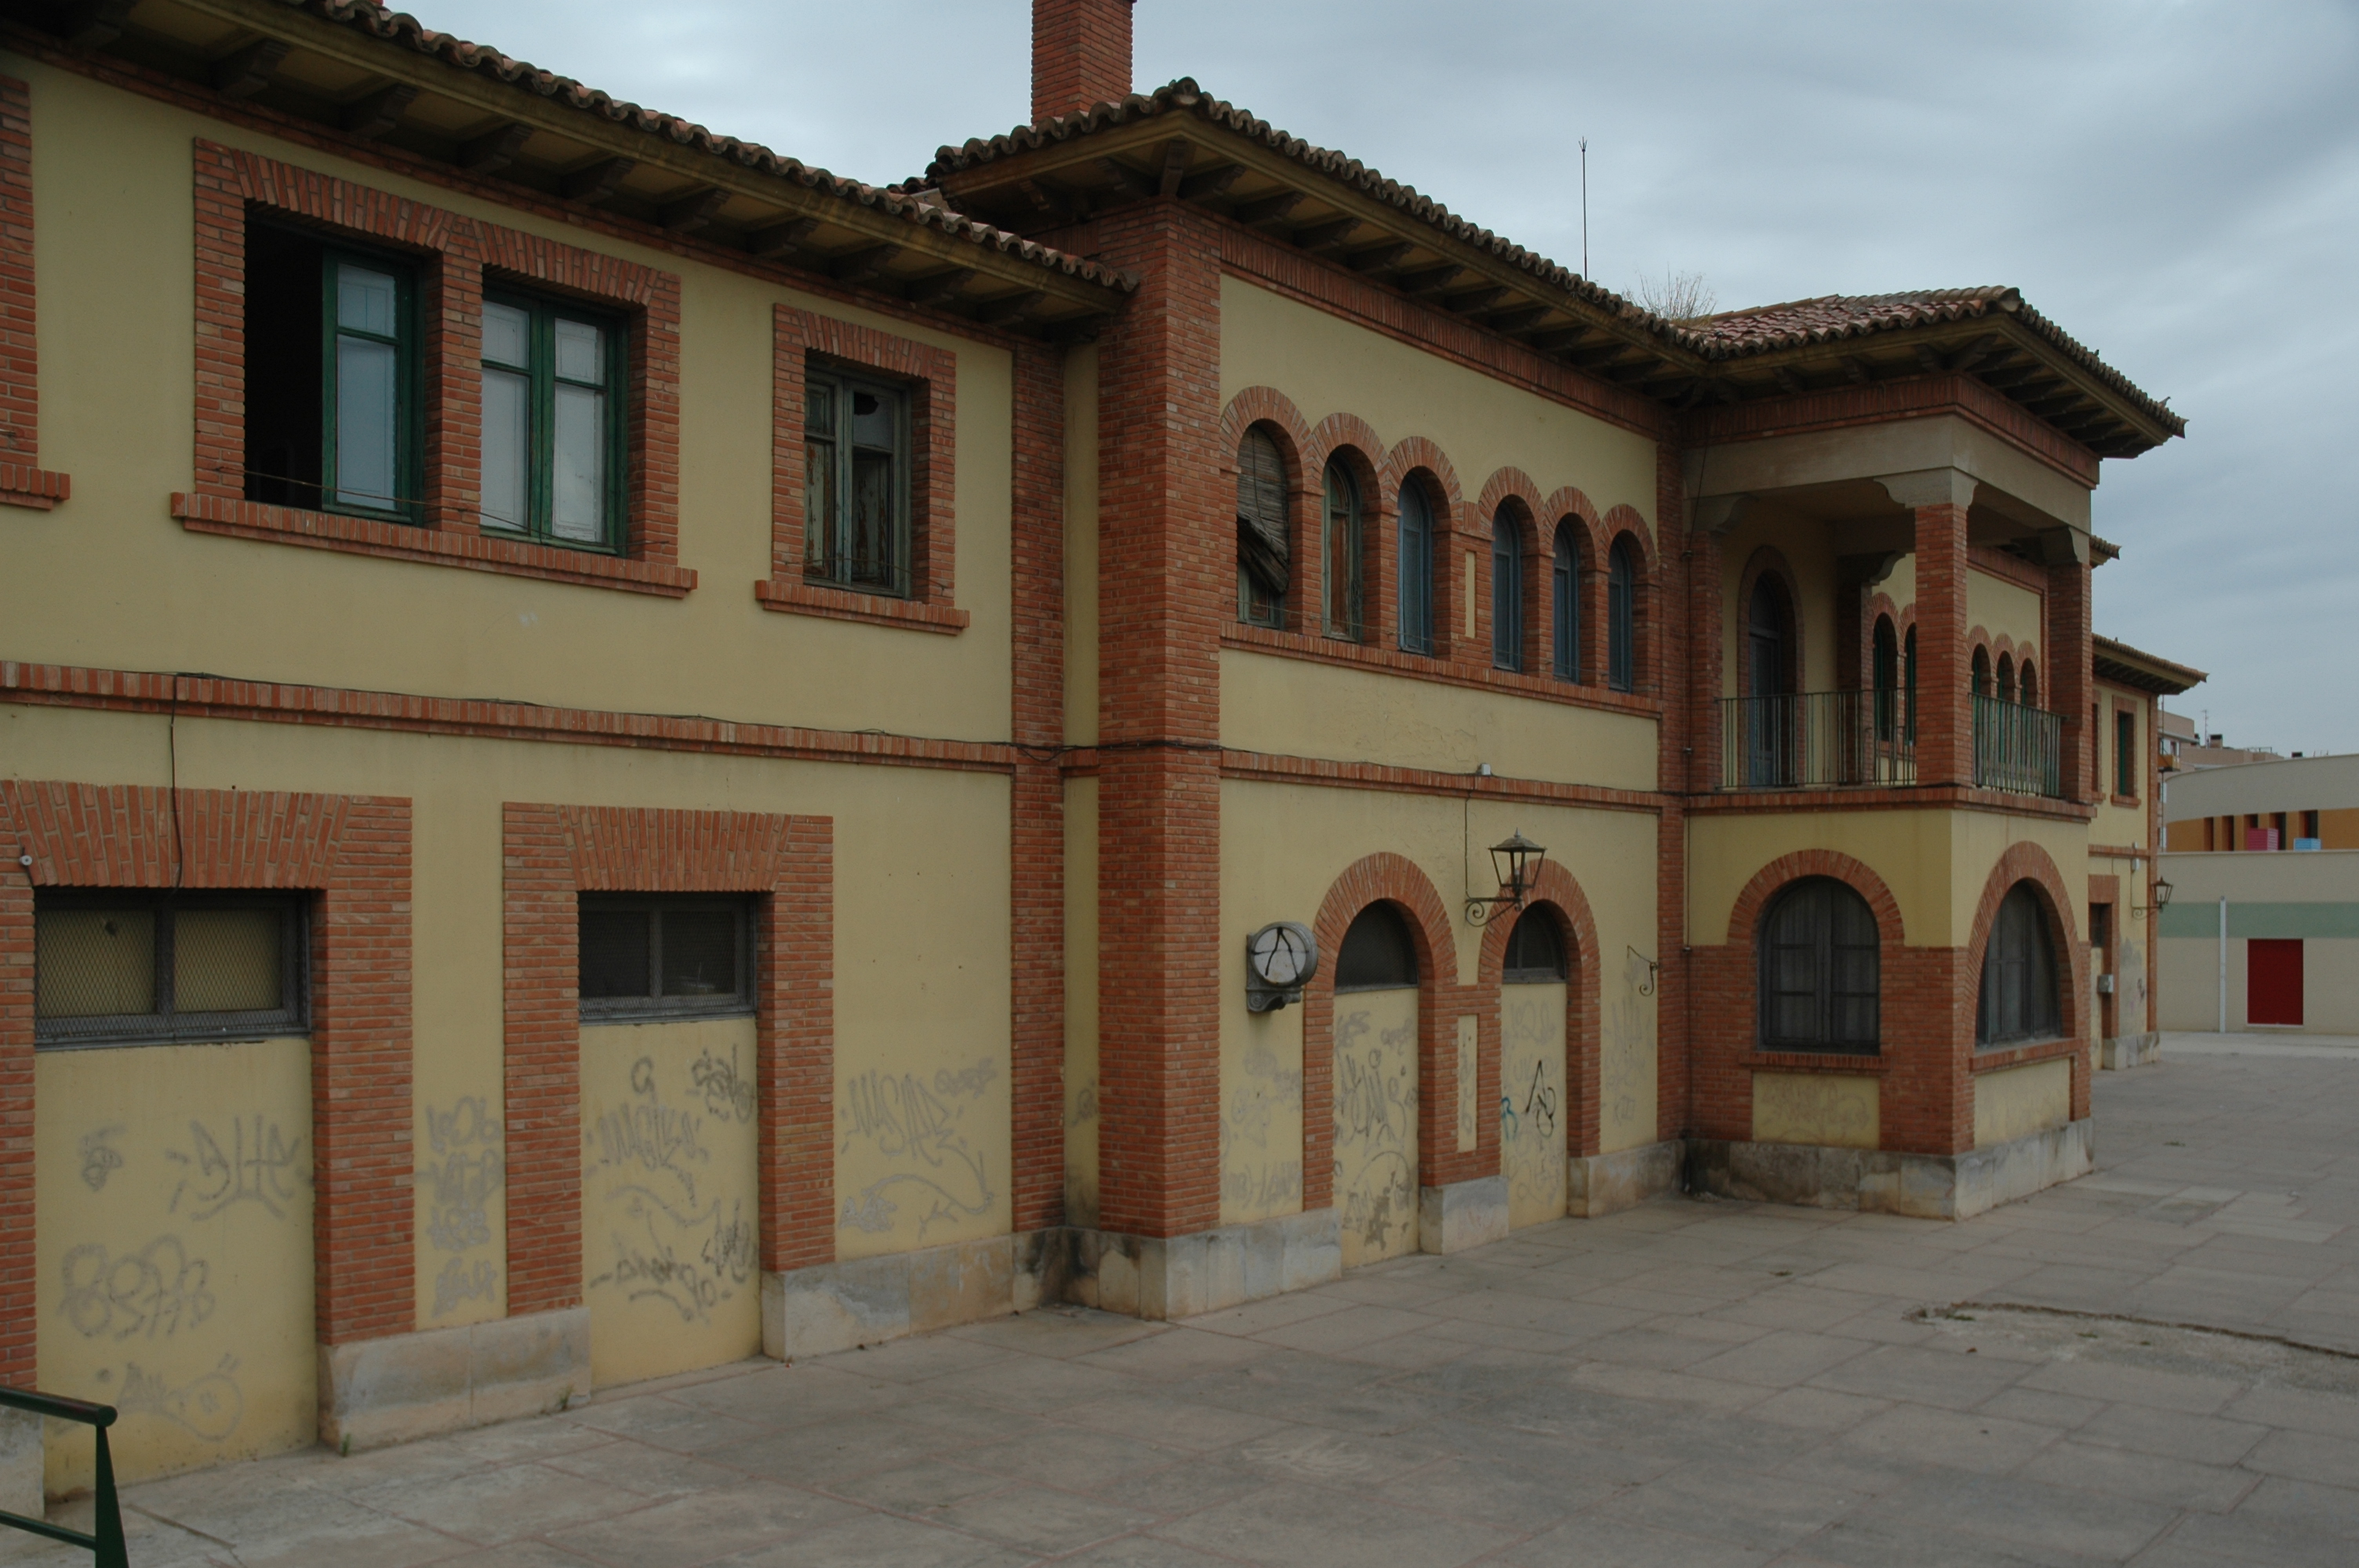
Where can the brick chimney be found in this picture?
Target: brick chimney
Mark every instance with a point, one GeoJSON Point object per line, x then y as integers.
{"type": "Point", "coordinates": [1080, 55]}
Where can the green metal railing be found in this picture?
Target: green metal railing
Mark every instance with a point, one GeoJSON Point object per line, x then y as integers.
{"type": "Point", "coordinates": [105, 1538]}
{"type": "Point", "coordinates": [1817, 740]}
{"type": "Point", "coordinates": [2019, 749]}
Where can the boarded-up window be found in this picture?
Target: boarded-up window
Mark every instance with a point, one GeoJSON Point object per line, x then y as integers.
{"type": "Point", "coordinates": [1264, 544]}
{"type": "Point", "coordinates": [1341, 566]}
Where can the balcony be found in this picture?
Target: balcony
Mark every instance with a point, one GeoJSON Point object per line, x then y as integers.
{"type": "Point", "coordinates": [1818, 739]}
{"type": "Point", "coordinates": [1866, 740]}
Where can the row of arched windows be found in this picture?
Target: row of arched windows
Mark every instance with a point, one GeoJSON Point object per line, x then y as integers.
{"type": "Point", "coordinates": [1379, 954]}
{"type": "Point", "coordinates": [1265, 558]}
{"type": "Point", "coordinates": [1822, 985]}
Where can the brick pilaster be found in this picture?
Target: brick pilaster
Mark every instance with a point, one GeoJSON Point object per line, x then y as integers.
{"type": "Point", "coordinates": [1165, 589]}
{"type": "Point", "coordinates": [2071, 683]}
{"type": "Point", "coordinates": [1080, 55]}
{"type": "Point", "coordinates": [1945, 738]}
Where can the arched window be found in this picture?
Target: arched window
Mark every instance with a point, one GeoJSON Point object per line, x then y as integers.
{"type": "Point", "coordinates": [1886, 679]}
{"type": "Point", "coordinates": [2028, 677]}
{"type": "Point", "coordinates": [1265, 544]}
{"type": "Point", "coordinates": [1565, 603]}
{"type": "Point", "coordinates": [1819, 980]}
{"type": "Point", "coordinates": [1506, 592]}
{"type": "Point", "coordinates": [1535, 951]}
{"type": "Point", "coordinates": [2005, 691]}
{"type": "Point", "coordinates": [2018, 992]}
{"type": "Point", "coordinates": [1341, 567]}
{"type": "Point", "coordinates": [1982, 674]}
{"type": "Point", "coordinates": [1416, 569]}
{"type": "Point", "coordinates": [1909, 683]}
{"type": "Point", "coordinates": [1378, 952]}
{"type": "Point", "coordinates": [1768, 640]}
{"type": "Point", "coordinates": [1622, 617]}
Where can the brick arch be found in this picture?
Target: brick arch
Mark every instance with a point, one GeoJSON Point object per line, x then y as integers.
{"type": "Point", "coordinates": [1624, 521]}
{"type": "Point", "coordinates": [1769, 561]}
{"type": "Point", "coordinates": [1380, 878]}
{"type": "Point", "coordinates": [1511, 489]}
{"type": "Point", "coordinates": [1412, 455]}
{"type": "Point", "coordinates": [1267, 407]}
{"type": "Point", "coordinates": [2025, 861]}
{"type": "Point", "coordinates": [1745, 919]}
{"type": "Point", "coordinates": [1568, 506]}
{"type": "Point", "coordinates": [1556, 889]}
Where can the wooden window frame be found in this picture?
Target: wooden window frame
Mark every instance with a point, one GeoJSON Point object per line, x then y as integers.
{"type": "Point", "coordinates": [1413, 628]}
{"type": "Point", "coordinates": [1507, 595]}
{"type": "Point", "coordinates": [1351, 553]}
{"type": "Point", "coordinates": [656, 1006]}
{"type": "Point", "coordinates": [2060, 971]}
{"type": "Point", "coordinates": [801, 340]}
{"type": "Point", "coordinates": [1256, 604]}
{"type": "Point", "coordinates": [544, 312]}
{"type": "Point", "coordinates": [1825, 995]}
{"type": "Point", "coordinates": [2126, 770]}
{"type": "Point", "coordinates": [456, 256]}
{"type": "Point", "coordinates": [1622, 617]}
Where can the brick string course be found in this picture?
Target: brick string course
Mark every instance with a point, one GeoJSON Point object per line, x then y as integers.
{"type": "Point", "coordinates": [351, 853]}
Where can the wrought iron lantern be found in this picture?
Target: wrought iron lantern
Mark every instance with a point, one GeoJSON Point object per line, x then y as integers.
{"type": "Point", "coordinates": [1516, 860]}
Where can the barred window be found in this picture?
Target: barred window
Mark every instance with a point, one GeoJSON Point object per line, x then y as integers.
{"type": "Point", "coordinates": [1820, 988]}
{"type": "Point", "coordinates": [119, 967]}
{"type": "Point", "coordinates": [650, 956]}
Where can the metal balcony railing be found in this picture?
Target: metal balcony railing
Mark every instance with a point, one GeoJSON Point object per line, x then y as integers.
{"type": "Point", "coordinates": [1818, 739]}
{"type": "Point", "coordinates": [103, 1539]}
{"type": "Point", "coordinates": [2019, 749]}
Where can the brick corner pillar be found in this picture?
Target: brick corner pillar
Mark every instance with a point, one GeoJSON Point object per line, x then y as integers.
{"type": "Point", "coordinates": [1162, 586]}
{"type": "Point", "coordinates": [2071, 683]}
{"type": "Point", "coordinates": [1080, 56]}
{"type": "Point", "coordinates": [1945, 712]}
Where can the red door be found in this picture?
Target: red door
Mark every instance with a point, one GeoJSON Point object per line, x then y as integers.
{"type": "Point", "coordinates": [2273, 980]}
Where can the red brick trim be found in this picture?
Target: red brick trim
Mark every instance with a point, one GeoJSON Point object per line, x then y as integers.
{"type": "Point", "coordinates": [23, 483]}
{"type": "Point", "coordinates": [1322, 285]}
{"type": "Point", "coordinates": [455, 252]}
{"type": "Point", "coordinates": [1768, 560]}
{"type": "Point", "coordinates": [1745, 919]}
{"type": "Point", "coordinates": [1305, 487]}
{"type": "Point", "coordinates": [553, 853]}
{"type": "Point", "coordinates": [1036, 831]}
{"type": "Point", "coordinates": [931, 375]}
{"type": "Point", "coordinates": [237, 519]}
{"type": "Point", "coordinates": [1275, 768]}
{"type": "Point", "coordinates": [1950, 797]}
{"type": "Point", "coordinates": [1388, 878]}
{"type": "Point", "coordinates": [1889, 402]}
{"type": "Point", "coordinates": [208, 696]}
{"type": "Point", "coordinates": [1556, 891]}
{"type": "Point", "coordinates": [353, 853]}
{"type": "Point", "coordinates": [2026, 862]}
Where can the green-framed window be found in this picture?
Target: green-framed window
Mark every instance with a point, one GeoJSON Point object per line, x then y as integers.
{"type": "Point", "coordinates": [552, 421]}
{"type": "Point", "coordinates": [856, 441]}
{"type": "Point", "coordinates": [332, 410]}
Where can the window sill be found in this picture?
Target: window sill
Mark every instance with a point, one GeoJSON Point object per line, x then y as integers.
{"type": "Point", "coordinates": [1820, 1062]}
{"type": "Point", "coordinates": [37, 490]}
{"type": "Point", "coordinates": [790, 597]}
{"type": "Point", "coordinates": [401, 541]}
{"type": "Point", "coordinates": [2015, 1053]}
{"type": "Point", "coordinates": [1427, 666]}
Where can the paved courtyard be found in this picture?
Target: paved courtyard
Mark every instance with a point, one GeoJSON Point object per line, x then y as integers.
{"type": "Point", "coordinates": [1690, 1383]}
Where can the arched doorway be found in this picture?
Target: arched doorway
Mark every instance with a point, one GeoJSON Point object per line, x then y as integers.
{"type": "Point", "coordinates": [1376, 1044]}
{"type": "Point", "coordinates": [1534, 983]}
{"type": "Point", "coordinates": [1768, 681]}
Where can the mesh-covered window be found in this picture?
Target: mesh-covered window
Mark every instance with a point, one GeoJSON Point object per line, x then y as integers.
{"type": "Point", "coordinates": [1378, 952]}
{"type": "Point", "coordinates": [1820, 979]}
{"type": "Point", "coordinates": [2018, 1000]}
{"type": "Point", "coordinates": [672, 955]}
{"type": "Point", "coordinates": [121, 967]}
{"type": "Point", "coordinates": [1263, 544]}
{"type": "Point", "coordinates": [1535, 950]}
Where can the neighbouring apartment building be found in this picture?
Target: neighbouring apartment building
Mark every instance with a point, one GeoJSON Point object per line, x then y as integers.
{"type": "Point", "coordinates": [2261, 931]}
{"type": "Point", "coordinates": [616, 753]}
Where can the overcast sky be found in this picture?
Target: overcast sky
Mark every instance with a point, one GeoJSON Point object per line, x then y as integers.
{"type": "Point", "coordinates": [2177, 184]}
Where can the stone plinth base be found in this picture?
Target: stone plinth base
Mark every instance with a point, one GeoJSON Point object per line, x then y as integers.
{"type": "Point", "coordinates": [1461, 1214]}
{"type": "Point", "coordinates": [834, 1306]}
{"type": "Point", "coordinates": [21, 1463]}
{"type": "Point", "coordinates": [1179, 1276]}
{"type": "Point", "coordinates": [1599, 1184]}
{"type": "Point", "coordinates": [2129, 1051]}
{"type": "Point", "coordinates": [377, 1392]}
{"type": "Point", "coordinates": [1930, 1186]}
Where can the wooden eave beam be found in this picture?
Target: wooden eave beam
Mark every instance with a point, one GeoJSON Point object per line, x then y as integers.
{"type": "Point", "coordinates": [378, 114]}
{"type": "Point", "coordinates": [860, 266]}
{"type": "Point", "coordinates": [775, 240]}
{"type": "Point", "coordinates": [597, 180]}
{"type": "Point", "coordinates": [374, 58]}
{"type": "Point", "coordinates": [244, 71]}
{"type": "Point", "coordinates": [495, 150]}
{"type": "Point", "coordinates": [687, 214]}
{"type": "Point", "coordinates": [1212, 182]}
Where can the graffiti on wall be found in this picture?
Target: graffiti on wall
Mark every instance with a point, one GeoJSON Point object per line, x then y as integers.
{"type": "Point", "coordinates": [460, 1172]}
{"type": "Point", "coordinates": [1261, 1139]}
{"type": "Point", "coordinates": [918, 1127]}
{"type": "Point", "coordinates": [1532, 1146]}
{"type": "Point", "coordinates": [669, 1238]}
{"type": "Point", "coordinates": [1626, 1061]}
{"type": "Point", "coordinates": [1376, 1124]}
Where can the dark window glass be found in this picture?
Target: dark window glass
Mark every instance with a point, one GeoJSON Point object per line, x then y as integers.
{"type": "Point", "coordinates": [1378, 952]}
{"type": "Point", "coordinates": [2005, 690]}
{"type": "Point", "coordinates": [2125, 754]}
{"type": "Point", "coordinates": [552, 454]}
{"type": "Point", "coordinates": [1535, 950]}
{"type": "Point", "coordinates": [1506, 593]}
{"type": "Point", "coordinates": [1982, 672]}
{"type": "Point", "coordinates": [1565, 603]}
{"type": "Point", "coordinates": [2030, 677]}
{"type": "Point", "coordinates": [1820, 985]}
{"type": "Point", "coordinates": [1416, 569]}
{"type": "Point", "coordinates": [2018, 1000]}
{"type": "Point", "coordinates": [1340, 553]}
{"type": "Point", "coordinates": [1622, 618]}
{"type": "Point", "coordinates": [122, 966]}
{"type": "Point", "coordinates": [856, 484]}
{"type": "Point", "coordinates": [1887, 680]}
{"type": "Point", "coordinates": [1264, 548]}
{"type": "Point", "coordinates": [1909, 683]}
{"type": "Point", "coordinates": [664, 955]}
{"type": "Point", "coordinates": [1769, 630]}
{"type": "Point", "coordinates": [331, 377]}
